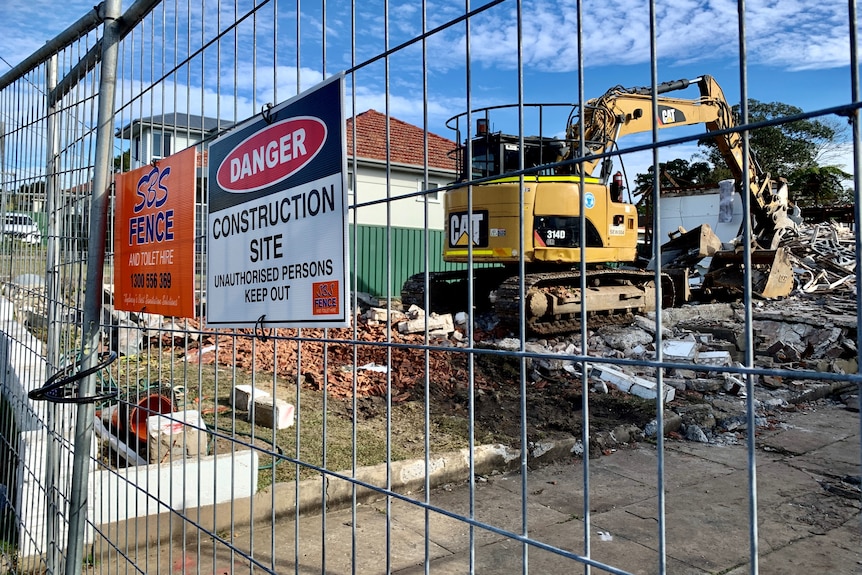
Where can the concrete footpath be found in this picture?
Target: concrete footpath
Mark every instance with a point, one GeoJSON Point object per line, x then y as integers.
{"type": "Point", "coordinates": [808, 509]}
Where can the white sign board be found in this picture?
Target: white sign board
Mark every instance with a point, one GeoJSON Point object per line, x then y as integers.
{"type": "Point", "coordinates": [277, 228]}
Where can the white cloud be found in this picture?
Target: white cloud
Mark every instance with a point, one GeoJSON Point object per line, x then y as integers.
{"type": "Point", "coordinates": [788, 34]}
{"type": "Point", "coordinates": [29, 25]}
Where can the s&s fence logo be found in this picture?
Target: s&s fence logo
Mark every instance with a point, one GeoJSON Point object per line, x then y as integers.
{"type": "Point", "coordinates": [325, 300]}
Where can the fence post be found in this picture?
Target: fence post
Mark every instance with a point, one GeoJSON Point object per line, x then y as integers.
{"type": "Point", "coordinates": [52, 465]}
{"type": "Point", "coordinates": [94, 285]}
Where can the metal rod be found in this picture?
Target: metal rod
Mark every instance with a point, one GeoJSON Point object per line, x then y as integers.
{"type": "Point", "coordinates": [86, 24]}
{"type": "Point", "coordinates": [582, 284]}
{"type": "Point", "coordinates": [52, 468]}
{"type": "Point", "coordinates": [661, 503]}
{"type": "Point", "coordinates": [748, 328]}
{"type": "Point", "coordinates": [93, 298]}
{"type": "Point", "coordinates": [857, 190]}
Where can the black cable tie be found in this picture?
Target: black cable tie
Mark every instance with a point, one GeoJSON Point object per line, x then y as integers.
{"type": "Point", "coordinates": [259, 331]}
{"type": "Point", "coordinates": [59, 387]}
{"type": "Point", "coordinates": [266, 112]}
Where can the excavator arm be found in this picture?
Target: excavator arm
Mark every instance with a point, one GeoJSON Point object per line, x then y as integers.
{"type": "Point", "coordinates": [770, 204]}
{"type": "Point", "coordinates": [621, 111]}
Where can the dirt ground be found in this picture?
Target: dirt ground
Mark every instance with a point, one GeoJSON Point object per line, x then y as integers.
{"type": "Point", "coordinates": [553, 404]}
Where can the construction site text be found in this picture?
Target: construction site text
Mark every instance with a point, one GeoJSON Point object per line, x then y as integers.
{"type": "Point", "coordinates": [271, 214]}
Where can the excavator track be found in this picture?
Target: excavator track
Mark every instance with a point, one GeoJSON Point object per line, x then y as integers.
{"type": "Point", "coordinates": [448, 290]}
{"type": "Point", "coordinates": [552, 300]}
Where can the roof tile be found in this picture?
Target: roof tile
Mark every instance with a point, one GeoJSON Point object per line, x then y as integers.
{"type": "Point", "coordinates": [405, 142]}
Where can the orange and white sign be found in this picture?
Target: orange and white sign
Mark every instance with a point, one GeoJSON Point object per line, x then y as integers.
{"type": "Point", "coordinates": [154, 237]}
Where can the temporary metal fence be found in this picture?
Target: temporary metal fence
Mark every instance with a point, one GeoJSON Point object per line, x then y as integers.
{"type": "Point", "coordinates": [137, 442]}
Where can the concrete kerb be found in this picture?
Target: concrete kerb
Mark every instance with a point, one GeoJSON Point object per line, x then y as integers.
{"type": "Point", "coordinates": [405, 476]}
{"type": "Point", "coordinates": [280, 501]}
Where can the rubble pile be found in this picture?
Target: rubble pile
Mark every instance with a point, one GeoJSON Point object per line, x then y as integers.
{"type": "Point", "coordinates": [332, 352]}
{"type": "Point", "coordinates": [704, 347]}
{"type": "Point", "coordinates": [824, 259]}
{"type": "Point", "coordinates": [707, 344]}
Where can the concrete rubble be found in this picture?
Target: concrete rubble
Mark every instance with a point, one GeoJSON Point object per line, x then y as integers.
{"type": "Point", "coordinates": [703, 346]}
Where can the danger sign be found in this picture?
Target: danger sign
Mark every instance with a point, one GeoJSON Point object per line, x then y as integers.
{"type": "Point", "coordinates": [277, 227]}
{"type": "Point", "coordinates": [272, 155]}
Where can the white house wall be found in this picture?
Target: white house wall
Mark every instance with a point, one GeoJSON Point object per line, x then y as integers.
{"type": "Point", "coordinates": [370, 185]}
{"type": "Point", "coordinates": [690, 210]}
{"type": "Point", "coordinates": [180, 140]}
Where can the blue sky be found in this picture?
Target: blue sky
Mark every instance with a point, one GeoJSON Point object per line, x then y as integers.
{"type": "Point", "coordinates": [797, 53]}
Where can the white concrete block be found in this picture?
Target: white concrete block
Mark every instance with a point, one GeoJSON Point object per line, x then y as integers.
{"type": "Point", "coordinates": [272, 412]}
{"type": "Point", "coordinates": [720, 358]}
{"type": "Point", "coordinates": [436, 323]}
{"type": "Point", "coordinates": [120, 494]}
{"type": "Point", "coordinates": [679, 350]}
{"type": "Point", "coordinates": [632, 384]}
{"type": "Point", "coordinates": [175, 436]}
{"type": "Point", "coordinates": [243, 395]}
{"type": "Point", "coordinates": [383, 315]}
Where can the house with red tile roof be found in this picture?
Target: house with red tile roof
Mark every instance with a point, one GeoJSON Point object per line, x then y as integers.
{"type": "Point", "coordinates": [390, 162]}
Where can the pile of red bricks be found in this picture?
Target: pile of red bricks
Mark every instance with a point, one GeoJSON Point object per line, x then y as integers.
{"type": "Point", "coordinates": [335, 352]}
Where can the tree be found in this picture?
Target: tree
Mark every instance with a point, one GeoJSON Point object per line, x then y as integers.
{"type": "Point", "coordinates": [820, 186]}
{"type": "Point", "coordinates": [794, 150]}
{"type": "Point", "coordinates": [676, 173]}
{"type": "Point", "coordinates": [780, 149]}
{"type": "Point", "coordinates": [122, 162]}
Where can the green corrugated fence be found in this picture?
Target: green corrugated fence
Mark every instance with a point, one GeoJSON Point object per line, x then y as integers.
{"type": "Point", "coordinates": [407, 245]}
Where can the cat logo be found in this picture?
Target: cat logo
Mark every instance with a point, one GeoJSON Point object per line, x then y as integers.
{"type": "Point", "coordinates": [668, 115]}
{"type": "Point", "coordinates": [460, 228]}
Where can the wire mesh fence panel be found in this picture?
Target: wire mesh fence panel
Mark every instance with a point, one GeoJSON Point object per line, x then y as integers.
{"type": "Point", "coordinates": [412, 287]}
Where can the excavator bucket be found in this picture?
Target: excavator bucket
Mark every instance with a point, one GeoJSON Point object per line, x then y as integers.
{"type": "Point", "coordinates": [683, 252]}
{"type": "Point", "coordinates": [688, 248]}
{"type": "Point", "coordinates": [771, 273]}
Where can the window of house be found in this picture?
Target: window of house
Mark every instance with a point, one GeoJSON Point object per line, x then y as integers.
{"type": "Point", "coordinates": [161, 144]}
{"type": "Point", "coordinates": [432, 196]}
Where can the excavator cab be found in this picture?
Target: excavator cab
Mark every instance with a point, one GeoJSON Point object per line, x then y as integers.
{"type": "Point", "coordinates": [498, 154]}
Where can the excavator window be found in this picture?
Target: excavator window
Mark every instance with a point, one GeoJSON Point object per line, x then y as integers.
{"type": "Point", "coordinates": [485, 157]}
{"type": "Point", "coordinates": [499, 154]}
{"type": "Point", "coordinates": [483, 164]}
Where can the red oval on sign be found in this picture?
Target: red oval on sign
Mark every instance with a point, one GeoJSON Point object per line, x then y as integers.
{"type": "Point", "coordinates": [272, 154]}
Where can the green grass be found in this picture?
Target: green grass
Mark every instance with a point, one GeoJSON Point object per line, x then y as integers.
{"type": "Point", "coordinates": [329, 431]}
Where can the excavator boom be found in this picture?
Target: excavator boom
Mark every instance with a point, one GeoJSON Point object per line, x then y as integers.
{"type": "Point", "coordinates": [622, 111]}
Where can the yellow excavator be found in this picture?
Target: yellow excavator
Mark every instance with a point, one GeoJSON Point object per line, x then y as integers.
{"type": "Point", "coordinates": [501, 211]}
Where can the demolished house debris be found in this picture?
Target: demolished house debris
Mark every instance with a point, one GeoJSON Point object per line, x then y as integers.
{"type": "Point", "coordinates": [813, 329]}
